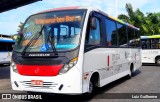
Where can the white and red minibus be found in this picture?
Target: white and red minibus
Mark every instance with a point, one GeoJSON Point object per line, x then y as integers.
{"type": "Point", "coordinates": [73, 50]}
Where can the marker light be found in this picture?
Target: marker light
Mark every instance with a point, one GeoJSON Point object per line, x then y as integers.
{"type": "Point", "coordinates": [68, 66]}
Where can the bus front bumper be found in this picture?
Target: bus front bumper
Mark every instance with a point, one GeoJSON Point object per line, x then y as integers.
{"type": "Point", "coordinates": [68, 83]}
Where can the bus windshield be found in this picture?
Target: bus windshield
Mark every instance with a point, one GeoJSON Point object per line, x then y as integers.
{"type": "Point", "coordinates": [61, 29]}
{"type": "Point", "coordinates": [6, 46]}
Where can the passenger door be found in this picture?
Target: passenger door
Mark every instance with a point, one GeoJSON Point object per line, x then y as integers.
{"type": "Point", "coordinates": [92, 55]}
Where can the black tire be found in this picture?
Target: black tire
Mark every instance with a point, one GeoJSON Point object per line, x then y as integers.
{"type": "Point", "coordinates": [131, 72]}
{"type": "Point", "coordinates": [90, 93]}
{"type": "Point", "coordinates": [93, 86]}
{"type": "Point", "coordinates": [93, 89]}
{"type": "Point", "coordinates": [158, 61]}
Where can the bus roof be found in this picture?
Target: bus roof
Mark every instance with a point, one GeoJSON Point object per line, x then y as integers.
{"type": "Point", "coordinates": [2, 39]}
{"type": "Point", "coordinates": [91, 9]}
{"type": "Point", "coordinates": [150, 37]}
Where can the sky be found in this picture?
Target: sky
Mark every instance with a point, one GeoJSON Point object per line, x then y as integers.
{"type": "Point", "coordinates": [10, 20]}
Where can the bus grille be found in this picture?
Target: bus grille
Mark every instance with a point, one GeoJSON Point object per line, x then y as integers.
{"type": "Point", "coordinates": [27, 84]}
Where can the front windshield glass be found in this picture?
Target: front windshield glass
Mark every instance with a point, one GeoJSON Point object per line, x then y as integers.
{"type": "Point", "coordinates": [61, 29]}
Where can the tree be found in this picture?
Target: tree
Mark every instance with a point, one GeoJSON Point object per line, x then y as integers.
{"type": "Point", "coordinates": [148, 24]}
{"type": "Point", "coordinates": [19, 26]}
{"type": "Point", "coordinates": [155, 20]}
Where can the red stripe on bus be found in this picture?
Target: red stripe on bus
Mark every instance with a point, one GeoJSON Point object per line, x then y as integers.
{"type": "Point", "coordinates": [34, 70]}
{"type": "Point", "coordinates": [108, 61]}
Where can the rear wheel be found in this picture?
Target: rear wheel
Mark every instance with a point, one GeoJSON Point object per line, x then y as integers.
{"type": "Point", "coordinates": [158, 61]}
{"type": "Point", "coordinates": [130, 75]}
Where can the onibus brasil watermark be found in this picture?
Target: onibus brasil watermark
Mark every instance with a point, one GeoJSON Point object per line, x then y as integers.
{"type": "Point", "coordinates": [21, 96]}
{"type": "Point", "coordinates": [25, 96]}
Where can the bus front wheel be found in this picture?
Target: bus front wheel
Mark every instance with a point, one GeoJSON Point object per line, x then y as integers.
{"type": "Point", "coordinates": [90, 93]}
{"type": "Point", "coordinates": [93, 85]}
{"type": "Point", "coordinates": [91, 88]}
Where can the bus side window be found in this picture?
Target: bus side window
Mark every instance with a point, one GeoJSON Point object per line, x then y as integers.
{"type": "Point", "coordinates": [122, 36]}
{"type": "Point", "coordinates": [112, 40]}
{"type": "Point", "coordinates": [158, 44]}
{"type": "Point", "coordinates": [94, 37]}
{"type": "Point", "coordinates": [131, 37]}
{"type": "Point", "coordinates": [144, 46]}
{"type": "Point", "coordinates": [155, 43]}
{"type": "Point", "coordinates": [148, 42]}
{"type": "Point", "coordinates": [137, 38]}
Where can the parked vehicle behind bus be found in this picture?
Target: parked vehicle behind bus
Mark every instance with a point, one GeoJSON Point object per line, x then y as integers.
{"type": "Point", "coordinates": [6, 46]}
{"type": "Point", "coordinates": [73, 50]}
{"type": "Point", "coordinates": [151, 49]}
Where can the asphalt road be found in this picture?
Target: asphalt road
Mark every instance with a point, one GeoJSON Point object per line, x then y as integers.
{"type": "Point", "coordinates": [145, 80]}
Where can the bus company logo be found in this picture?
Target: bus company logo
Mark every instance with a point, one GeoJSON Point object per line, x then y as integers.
{"type": "Point", "coordinates": [39, 55]}
{"type": "Point", "coordinates": [6, 96]}
{"type": "Point", "coordinates": [37, 70]}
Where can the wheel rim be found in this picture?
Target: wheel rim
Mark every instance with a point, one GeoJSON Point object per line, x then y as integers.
{"type": "Point", "coordinates": [158, 61]}
{"type": "Point", "coordinates": [90, 87]}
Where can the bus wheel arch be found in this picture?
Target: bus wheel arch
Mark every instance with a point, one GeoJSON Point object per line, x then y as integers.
{"type": "Point", "coordinates": [157, 60]}
{"type": "Point", "coordinates": [94, 82]}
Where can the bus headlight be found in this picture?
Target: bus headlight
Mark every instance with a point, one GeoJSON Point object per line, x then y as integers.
{"type": "Point", "coordinates": [68, 66]}
{"type": "Point", "coordinates": [13, 66]}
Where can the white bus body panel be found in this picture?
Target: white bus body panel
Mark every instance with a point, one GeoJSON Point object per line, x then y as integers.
{"type": "Point", "coordinates": [149, 55]}
{"type": "Point", "coordinates": [120, 60]}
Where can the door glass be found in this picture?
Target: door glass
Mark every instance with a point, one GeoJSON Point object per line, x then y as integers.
{"type": "Point", "coordinates": [94, 34]}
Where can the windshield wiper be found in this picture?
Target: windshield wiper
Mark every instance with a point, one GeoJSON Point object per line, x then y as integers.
{"type": "Point", "coordinates": [52, 44]}
{"type": "Point", "coordinates": [33, 39]}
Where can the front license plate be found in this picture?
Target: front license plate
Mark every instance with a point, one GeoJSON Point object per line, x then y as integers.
{"type": "Point", "coordinates": [37, 82]}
